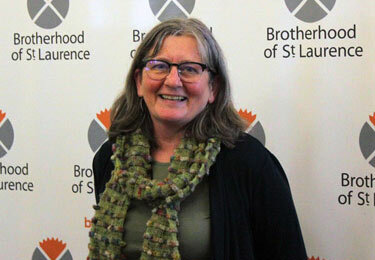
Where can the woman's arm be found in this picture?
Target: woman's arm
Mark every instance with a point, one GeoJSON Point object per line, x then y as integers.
{"type": "Point", "coordinates": [277, 233]}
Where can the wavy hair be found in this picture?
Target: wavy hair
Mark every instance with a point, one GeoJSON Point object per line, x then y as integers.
{"type": "Point", "coordinates": [219, 119]}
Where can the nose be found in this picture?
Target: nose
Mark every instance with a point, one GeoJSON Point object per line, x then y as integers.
{"type": "Point", "coordinates": [173, 78]}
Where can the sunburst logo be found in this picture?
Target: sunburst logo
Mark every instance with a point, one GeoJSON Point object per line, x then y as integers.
{"type": "Point", "coordinates": [2, 115]}
{"type": "Point", "coordinates": [52, 249]}
{"type": "Point", "coordinates": [97, 133]}
{"type": "Point", "coordinates": [372, 118]}
{"type": "Point", "coordinates": [6, 134]}
{"type": "Point", "coordinates": [254, 127]}
{"type": "Point", "coordinates": [313, 258]}
{"type": "Point", "coordinates": [367, 140]}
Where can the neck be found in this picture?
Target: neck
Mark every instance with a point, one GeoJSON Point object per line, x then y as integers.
{"type": "Point", "coordinates": [167, 139]}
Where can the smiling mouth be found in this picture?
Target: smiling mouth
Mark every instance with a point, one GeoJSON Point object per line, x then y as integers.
{"type": "Point", "coordinates": [174, 98]}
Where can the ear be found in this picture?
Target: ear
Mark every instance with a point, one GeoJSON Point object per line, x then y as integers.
{"type": "Point", "coordinates": [214, 87]}
{"type": "Point", "coordinates": [138, 82]}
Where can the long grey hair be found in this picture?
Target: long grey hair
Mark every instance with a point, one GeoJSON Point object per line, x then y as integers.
{"type": "Point", "coordinates": [219, 119]}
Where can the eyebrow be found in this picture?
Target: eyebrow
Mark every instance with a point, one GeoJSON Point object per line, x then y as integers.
{"type": "Point", "coordinates": [166, 60]}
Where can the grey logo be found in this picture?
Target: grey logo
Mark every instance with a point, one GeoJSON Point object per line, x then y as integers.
{"type": "Point", "coordinates": [48, 14]}
{"type": "Point", "coordinates": [38, 255]}
{"type": "Point", "coordinates": [97, 133]}
{"type": "Point", "coordinates": [257, 131]}
{"type": "Point", "coordinates": [167, 9]}
{"type": "Point", "coordinates": [6, 134]}
{"type": "Point", "coordinates": [254, 127]}
{"type": "Point", "coordinates": [367, 140]}
{"type": "Point", "coordinates": [51, 249]}
{"type": "Point", "coordinates": [310, 11]}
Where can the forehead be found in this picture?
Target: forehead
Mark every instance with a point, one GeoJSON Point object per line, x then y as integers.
{"type": "Point", "coordinates": [179, 48]}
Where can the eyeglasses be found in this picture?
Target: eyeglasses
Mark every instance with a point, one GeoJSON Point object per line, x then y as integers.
{"type": "Point", "coordinates": [189, 72]}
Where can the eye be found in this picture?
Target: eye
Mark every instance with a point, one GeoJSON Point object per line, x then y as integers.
{"type": "Point", "coordinates": [190, 68]}
{"type": "Point", "coordinates": [157, 65]}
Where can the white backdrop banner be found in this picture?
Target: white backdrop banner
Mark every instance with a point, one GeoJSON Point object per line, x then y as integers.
{"type": "Point", "coordinates": [303, 76]}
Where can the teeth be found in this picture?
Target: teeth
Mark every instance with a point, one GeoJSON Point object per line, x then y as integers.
{"type": "Point", "coordinates": [179, 98]}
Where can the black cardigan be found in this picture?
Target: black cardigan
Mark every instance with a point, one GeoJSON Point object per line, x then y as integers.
{"type": "Point", "coordinates": [251, 207]}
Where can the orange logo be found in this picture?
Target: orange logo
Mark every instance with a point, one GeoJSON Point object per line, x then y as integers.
{"type": "Point", "coordinates": [2, 115]}
{"type": "Point", "coordinates": [367, 140]}
{"type": "Point", "coordinates": [51, 249]}
{"type": "Point", "coordinates": [253, 126]}
{"type": "Point", "coordinates": [105, 118]}
{"type": "Point", "coordinates": [6, 134]}
{"type": "Point", "coordinates": [98, 129]}
{"type": "Point", "coordinates": [248, 116]}
{"type": "Point", "coordinates": [372, 118]}
{"type": "Point", "coordinates": [313, 258]}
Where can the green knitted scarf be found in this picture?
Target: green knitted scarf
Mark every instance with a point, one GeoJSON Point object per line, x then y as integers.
{"type": "Point", "coordinates": [130, 180]}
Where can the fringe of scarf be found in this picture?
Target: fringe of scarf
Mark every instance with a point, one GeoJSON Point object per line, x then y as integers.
{"type": "Point", "coordinates": [130, 180]}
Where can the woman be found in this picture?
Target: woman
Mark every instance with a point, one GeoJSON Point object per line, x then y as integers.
{"type": "Point", "coordinates": [178, 179]}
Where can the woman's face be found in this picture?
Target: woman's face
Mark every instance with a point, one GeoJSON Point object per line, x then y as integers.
{"type": "Point", "coordinates": [160, 96]}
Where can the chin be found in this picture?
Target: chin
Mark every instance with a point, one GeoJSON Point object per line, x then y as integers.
{"type": "Point", "coordinates": [173, 120]}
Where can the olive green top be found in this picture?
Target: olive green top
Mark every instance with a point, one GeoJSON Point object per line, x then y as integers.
{"type": "Point", "coordinates": [194, 217]}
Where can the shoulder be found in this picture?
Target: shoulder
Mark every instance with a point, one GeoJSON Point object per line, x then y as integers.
{"type": "Point", "coordinates": [247, 151]}
{"type": "Point", "coordinates": [250, 158]}
{"type": "Point", "coordinates": [104, 153]}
